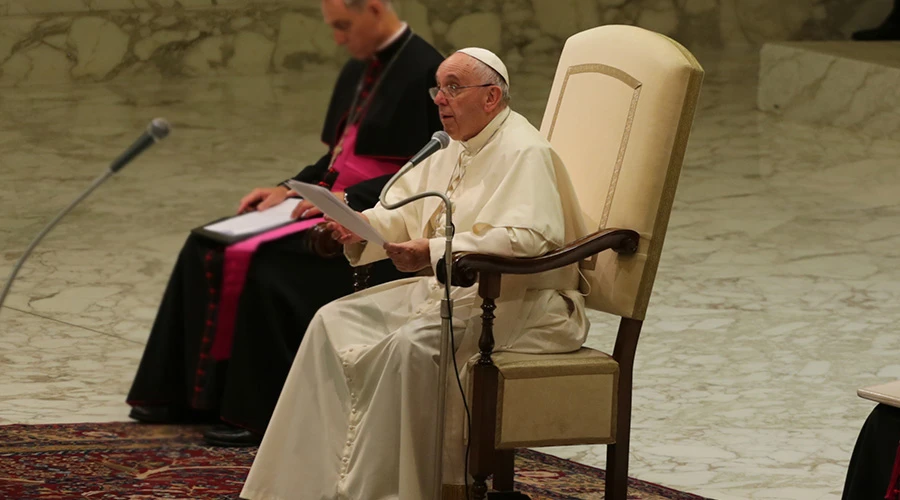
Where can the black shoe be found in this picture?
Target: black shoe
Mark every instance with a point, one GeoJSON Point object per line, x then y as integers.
{"type": "Point", "coordinates": [169, 415]}
{"type": "Point", "coordinates": [888, 31]}
{"type": "Point", "coordinates": [229, 435]}
{"type": "Point", "coordinates": [153, 414]}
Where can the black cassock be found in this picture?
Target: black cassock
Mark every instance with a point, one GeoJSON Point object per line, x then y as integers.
{"type": "Point", "coordinates": [285, 285]}
{"type": "Point", "coordinates": [875, 464]}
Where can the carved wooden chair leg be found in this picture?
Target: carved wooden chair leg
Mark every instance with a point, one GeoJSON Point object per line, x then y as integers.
{"type": "Point", "coordinates": [504, 474]}
{"type": "Point", "coordinates": [617, 454]}
{"type": "Point", "coordinates": [484, 396]}
{"type": "Point", "coordinates": [504, 470]}
{"type": "Point", "coordinates": [484, 403]}
{"type": "Point", "coordinates": [617, 469]}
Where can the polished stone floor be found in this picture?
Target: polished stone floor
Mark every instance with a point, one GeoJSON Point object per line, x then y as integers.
{"type": "Point", "coordinates": [776, 297]}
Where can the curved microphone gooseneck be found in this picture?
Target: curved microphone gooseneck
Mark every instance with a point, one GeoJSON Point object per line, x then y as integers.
{"type": "Point", "coordinates": [156, 131]}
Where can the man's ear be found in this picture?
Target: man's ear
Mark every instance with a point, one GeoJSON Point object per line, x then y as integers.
{"type": "Point", "coordinates": [375, 7]}
{"type": "Point", "coordinates": [495, 95]}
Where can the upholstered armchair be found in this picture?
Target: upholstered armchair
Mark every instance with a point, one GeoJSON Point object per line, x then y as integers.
{"type": "Point", "coordinates": [619, 114]}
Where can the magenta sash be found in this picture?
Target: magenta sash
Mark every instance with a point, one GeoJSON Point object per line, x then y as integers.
{"type": "Point", "coordinates": [234, 274]}
{"type": "Point", "coordinates": [355, 169]}
{"type": "Point", "coordinates": [351, 170]}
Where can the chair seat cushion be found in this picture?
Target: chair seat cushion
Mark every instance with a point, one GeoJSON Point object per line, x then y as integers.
{"type": "Point", "coordinates": [556, 399]}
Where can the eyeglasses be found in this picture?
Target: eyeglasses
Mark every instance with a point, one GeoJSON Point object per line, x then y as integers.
{"type": "Point", "coordinates": [451, 91]}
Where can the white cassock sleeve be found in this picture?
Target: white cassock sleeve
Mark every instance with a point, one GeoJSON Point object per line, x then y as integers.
{"type": "Point", "coordinates": [389, 225]}
{"type": "Point", "coordinates": [502, 241]}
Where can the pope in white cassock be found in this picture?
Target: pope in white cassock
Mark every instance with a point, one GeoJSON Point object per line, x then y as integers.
{"type": "Point", "coordinates": [355, 419]}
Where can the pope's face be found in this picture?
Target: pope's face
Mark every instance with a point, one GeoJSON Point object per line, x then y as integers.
{"type": "Point", "coordinates": [464, 111]}
{"type": "Point", "coordinates": [355, 29]}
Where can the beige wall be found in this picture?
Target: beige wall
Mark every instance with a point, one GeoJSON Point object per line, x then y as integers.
{"type": "Point", "coordinates": [54, 41]}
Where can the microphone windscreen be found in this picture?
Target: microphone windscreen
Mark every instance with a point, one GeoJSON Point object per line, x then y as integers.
{"type": "Point", "coordinates": [442, 137]}
{"type": "Point", "coordinates": [158, 129]}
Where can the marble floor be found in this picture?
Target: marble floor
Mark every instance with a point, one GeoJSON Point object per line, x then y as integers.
{"type": "Point", "coordinates": [775, 300]}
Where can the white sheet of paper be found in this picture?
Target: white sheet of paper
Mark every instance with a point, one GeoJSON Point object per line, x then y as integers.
{"type": "Point", "coordinates": [328, 203]}
{"type": "Point", "coordinates": [252, 222]}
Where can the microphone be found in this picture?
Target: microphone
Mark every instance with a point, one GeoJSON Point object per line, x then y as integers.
{"type": "Point", "coordinates": [156, 131]}
{"type": "Point", "coordinates": [439, 141]}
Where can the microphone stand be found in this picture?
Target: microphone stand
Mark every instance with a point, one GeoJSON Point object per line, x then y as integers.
{"type": "Point", "coordinates": [446, 315]}
{"type": "Point", "coordinates": [15, 271]}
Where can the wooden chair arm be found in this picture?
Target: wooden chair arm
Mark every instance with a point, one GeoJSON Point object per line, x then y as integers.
{"type": "Point", "coordinates": [467, 266]}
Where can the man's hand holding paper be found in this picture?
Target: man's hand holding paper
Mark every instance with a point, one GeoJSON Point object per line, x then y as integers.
{"type": "Point", "coordinates": [335, 209]}
{"type": "Point", "coordinates": [307, 210]}
{"type": "Point", "coordinates": [340, 233]}
{"type": "Point", "coordinates": [410, 256]}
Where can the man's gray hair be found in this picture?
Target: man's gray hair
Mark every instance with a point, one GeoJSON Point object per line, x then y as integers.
{"type": "Point", "coordinates": [490, 75]}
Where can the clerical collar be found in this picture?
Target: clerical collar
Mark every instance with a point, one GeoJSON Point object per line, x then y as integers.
{"type": "Point", "coordinates": [475, 144]}
{"type": "Point", "coordinates": [388, 48]}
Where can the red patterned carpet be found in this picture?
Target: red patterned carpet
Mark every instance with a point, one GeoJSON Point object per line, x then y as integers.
{"type": "Point", "coordinates": [138, 462]}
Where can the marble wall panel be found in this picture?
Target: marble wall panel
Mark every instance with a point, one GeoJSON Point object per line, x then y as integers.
{"type": "Point", "coordinates": [57, 41]}
{"type": "Point", "coordinates": [26, 7]}
{"type": "Point", "coordinates": [103, 46]}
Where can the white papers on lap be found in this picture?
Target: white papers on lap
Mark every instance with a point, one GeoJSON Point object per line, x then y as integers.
{"type": "Point", "coordinates": [328, 203]}
{"type": "Point", "coordinates": [254, 222]}
{"type": "Point", "coordinates": [888, 394]}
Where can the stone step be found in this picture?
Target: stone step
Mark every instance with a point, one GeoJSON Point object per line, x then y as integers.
{"type": "Point", "coordinates": [854, 85]}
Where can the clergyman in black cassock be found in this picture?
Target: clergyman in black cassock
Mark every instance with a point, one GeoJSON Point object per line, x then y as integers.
{"type": "Point", "coordinates": [875, 464]}
{"type": "Point", "coordinates": [178, 379]}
